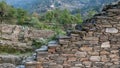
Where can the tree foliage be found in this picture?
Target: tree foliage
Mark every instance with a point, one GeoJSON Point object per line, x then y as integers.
{"type": "Point", "coordinates": [61, 18]}
{"type": "Point", "coordinates": [12, 15]}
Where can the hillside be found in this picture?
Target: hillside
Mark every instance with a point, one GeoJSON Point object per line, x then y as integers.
{"type": "Point", "coordinates": [95, 45]}
{"type": "Point", "coordinates": [44, 5]}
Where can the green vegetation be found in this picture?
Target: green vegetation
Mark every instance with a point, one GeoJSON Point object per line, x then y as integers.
{"type": "Point", "coordinates": [57, 20]}
{"type": "Point", "coordinates": [61, 18]}
{"type": "Point", "coordinates": [10, 15]}
{"type": "Point", "coordinates": [53, 20]}
{"type": "Point", "coordinates": [11, 50]}
{"type": "Point", "coordinates": [39, 42]}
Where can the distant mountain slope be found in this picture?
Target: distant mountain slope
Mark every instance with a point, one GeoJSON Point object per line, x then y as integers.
{"type": "Point", "coordinates": [44, 5]}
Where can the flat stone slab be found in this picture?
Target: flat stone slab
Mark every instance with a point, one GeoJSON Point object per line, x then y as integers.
{"type": "Point", "coordinates": [53, 44]}
{"type": "Point", "coordinates": [91, 38]}
{"type": "Point", "coordinates": [95, 58]}
{"type": "Point", "coordinates": [33, 64]}
{"type": "Point", "coordinates": [20, 66]}
{"type": "Point", "coordinates": [64, 37]}
{"type": "Point", "coordinates": [42, 54]}
{"type": "Point", "coordinates": [111, 30]}
{"type": "Point", "coordinates": [43, 48]}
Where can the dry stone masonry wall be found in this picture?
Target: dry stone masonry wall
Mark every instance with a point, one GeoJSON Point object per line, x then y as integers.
{"type": "Point", "coordinates": [97, 45]}
{"type": "Point", "coordinates": [19, 37]}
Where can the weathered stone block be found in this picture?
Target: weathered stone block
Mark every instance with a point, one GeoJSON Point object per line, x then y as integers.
{"type": "Point", "coordinates": [72, 59]}
{"type": "Point", "coordinates": [93, 53]}
{"type": "Point", "coordinates": [105, 45]}
{"type": "Point", "coordinates": [114, 51]}
{"type": "Point", "coordinates": [84, 59]}
{"type": "Point", "coordinates": [93, 42]}
{"type": "Point", "coordinates": [104, 53]}
{"type": "Point", "coordinates": [107, 25]}
{"type": "Point", "coordinates": [7, 28]}
{"type": "Point", "coordinates": [33, 65]}
{"type": "Point", "coordinates": [53, 44]}
{"type": "Point", "coordinates": [95, 58]}
{"type": "Point", "coordinates": [42, 49]}
{"type": "Point", "coordinates": [51, 50]}
{"type": "Point", "coordinates": [79, 65]}
{"type": "Point", "coordinates": [114, 56]}
{"type": "Point", "coordinates": [42, 54]}
{"type": "Point", "coordinates": [91, 38]}
{"type": "Point", "coordinates": [86, 48]}
{"type": "Point", "coordinates": [103, 38]}
{"type": "Point", "coordinates": [80, 54]}
{"type": "Point", "coordinates": [87, 64]}
{"type": "Point", "coordinates": [111, 30]}
{"type": "Point", "coordinates": [81, 42]}
{"type": "Point", "coordinates": [68, 55]}
{"type": "Point", "coordinates": [63, 42]}
{"type": "Point", "coordinates": [104, 58]}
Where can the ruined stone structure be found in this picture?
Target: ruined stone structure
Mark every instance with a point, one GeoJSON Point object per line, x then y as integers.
{"type": "Point", "coordinates": [19, 37]}
{"type": "Point", "coordinates": [97, 45]}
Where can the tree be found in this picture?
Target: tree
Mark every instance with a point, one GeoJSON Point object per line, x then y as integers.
{"type": "Point", "coordinates": [3, 10]}
{"type": "Point", "coordinates": [61, 18]}
{"type": "Point", "coordinates": [21, 16]}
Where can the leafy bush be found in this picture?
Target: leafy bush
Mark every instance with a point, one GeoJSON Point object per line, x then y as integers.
{"type": "Point", "coordinates": [37, 43]}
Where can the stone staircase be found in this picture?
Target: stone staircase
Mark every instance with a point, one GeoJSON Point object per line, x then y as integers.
{"type": "Point", "coordinates": [97, 45]}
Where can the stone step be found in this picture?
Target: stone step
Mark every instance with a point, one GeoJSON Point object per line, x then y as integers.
{"type": "Point", "coordinates": [63, 37]}
{"type": "Point", "coordinates": [20, 66]}
{"type": "Point", "coordinates": [53, 44]}
{"type": "Point", "coordinates": [42, 54]}
{"type": "Point", "coordinates": [28, 59]}
{"type": "Point", "coordinates": [33, 64]}
{"type": "Point", "coordinates": [42, 49]}
{"type": "Point", "coordinates": [64, 40]}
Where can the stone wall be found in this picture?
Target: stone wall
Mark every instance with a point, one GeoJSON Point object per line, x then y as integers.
{"type": "Point", "coordinates": [97, 45]}
{"type": "Point", "coordinates": [19, 37]}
